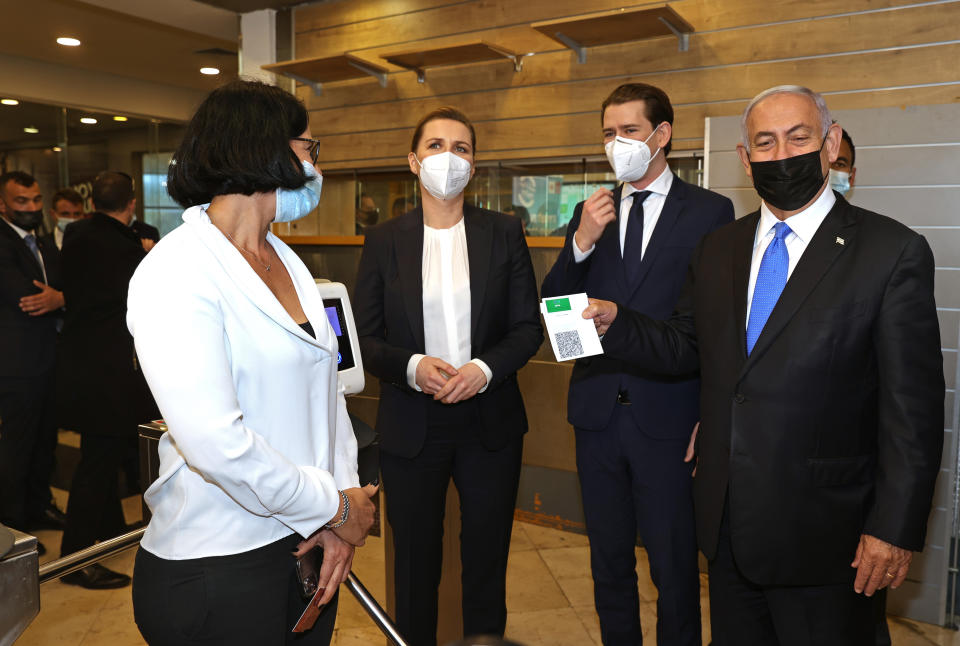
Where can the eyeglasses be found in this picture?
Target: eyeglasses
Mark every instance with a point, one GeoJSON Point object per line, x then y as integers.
{"type": "Point", "coordinates": [314, 148]}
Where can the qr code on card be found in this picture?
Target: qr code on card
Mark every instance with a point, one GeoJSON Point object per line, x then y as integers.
{"type": "Point", "coordinates": [568, 344]}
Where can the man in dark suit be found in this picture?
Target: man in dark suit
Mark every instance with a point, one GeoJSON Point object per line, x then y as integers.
{"type": "Point", "coordinates": [814, 327]}
{"type": "Point", "coordinates": [67, 209]}
{"type": "Point", "coordinates": [110, 395]}
{"type": "Point", "coordinates": [149, 235]}
{"type": "Point", "coordinates": [29, 306]}
{"type": "Point", "coordinates": [633, 427]}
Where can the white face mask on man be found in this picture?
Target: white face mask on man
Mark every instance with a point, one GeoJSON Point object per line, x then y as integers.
{"type": "Point", "coordinates": [629, 158]}
{"type": "Point", "coordinates": [444, 175]}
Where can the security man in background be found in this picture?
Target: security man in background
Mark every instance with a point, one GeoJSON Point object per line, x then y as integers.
{"type": "Point", "coordinates": [843, 171]}
{"type": "Point", "coordinates": [30, 303]}
{"type": "Point", "coordinates": [109, 396]}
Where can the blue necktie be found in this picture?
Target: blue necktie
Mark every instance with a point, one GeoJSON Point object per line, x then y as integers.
{"type": "Point", "coordinates": [31, 242]}
{"type": "Point", "coordinates": [770, 281]}
{"type": "Point", "coordinates": [633, 239]}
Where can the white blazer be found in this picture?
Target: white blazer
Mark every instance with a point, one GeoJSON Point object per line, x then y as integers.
{"type": "Point", "coordinates": [258, 439]}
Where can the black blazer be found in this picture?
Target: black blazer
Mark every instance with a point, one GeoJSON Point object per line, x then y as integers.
{"type": "Point", "coordinates": [505, 322]}
{"type": "Point", "coordinates": [100, 386]}
{"type": "Point", "coordinates": [27, 343]}
{"type": "Point", "coordinates": [833, 426]}
{"type": "Point", "coordinates": [663, 406]}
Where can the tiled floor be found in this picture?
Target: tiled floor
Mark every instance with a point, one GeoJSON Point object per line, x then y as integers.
{"type": "Point", "coordinates": [549, 595]}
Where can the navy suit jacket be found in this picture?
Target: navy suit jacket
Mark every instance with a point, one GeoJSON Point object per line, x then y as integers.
{"type": "Point", "coordinates": [663, 407]}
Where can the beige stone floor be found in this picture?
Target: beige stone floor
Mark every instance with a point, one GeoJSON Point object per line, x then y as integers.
{"type": "Point", "coordinates": [549, 596]}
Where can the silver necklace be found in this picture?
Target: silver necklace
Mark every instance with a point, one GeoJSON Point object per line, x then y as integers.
{"type": "Point", "coordinates": [236, 244]}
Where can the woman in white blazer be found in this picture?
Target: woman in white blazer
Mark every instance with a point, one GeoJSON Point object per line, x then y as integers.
{"type": "Point", "coordinates": [258, 465]}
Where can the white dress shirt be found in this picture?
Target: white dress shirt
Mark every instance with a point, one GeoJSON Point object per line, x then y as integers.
{"type": "Point", "coordinates": [58, 237]}
{"type": "Point", "coordinates": [23, 234]}
{"type": "Point", "coordinates": [802, 225]}
{"type": "Point", "coordinates": [446, 301]}
{"type": "Point", "coordinates": [258, 439]}
{"type": "Point", "coordinates": [652, 207]}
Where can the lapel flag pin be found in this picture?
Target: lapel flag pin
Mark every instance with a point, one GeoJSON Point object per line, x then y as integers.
{"type": "Point", "coordinates": [840, 240]}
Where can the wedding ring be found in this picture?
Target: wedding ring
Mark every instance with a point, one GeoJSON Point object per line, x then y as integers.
{"type": "Point", "coordinates": [892, 576]}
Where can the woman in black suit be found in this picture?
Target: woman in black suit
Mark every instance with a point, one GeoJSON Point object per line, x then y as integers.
{"type": "Point", "coordinates": [446, 310]}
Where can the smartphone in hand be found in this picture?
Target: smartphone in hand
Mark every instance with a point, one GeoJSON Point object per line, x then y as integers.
{"type": "Point", "coordinates": [308, 575]}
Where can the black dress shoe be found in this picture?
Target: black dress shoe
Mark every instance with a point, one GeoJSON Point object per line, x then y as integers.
{"type": "Point", "coordinates": [48, 518]}
{"type": "Point", "coordinates": [41, 549]}
{"type": "Point", "coordinates": [96, 577]}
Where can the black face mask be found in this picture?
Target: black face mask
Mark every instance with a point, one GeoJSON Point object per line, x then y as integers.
{"type": "Point", "coordinates": [26, 220]}
{"type": "Point", "coordinates": [788, 184]}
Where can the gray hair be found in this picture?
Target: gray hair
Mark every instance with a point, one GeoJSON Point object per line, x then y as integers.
{"type": "Point", "coordinates": [825, 119]}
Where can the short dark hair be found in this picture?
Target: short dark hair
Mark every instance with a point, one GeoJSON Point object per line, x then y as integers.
{"type": "Point", "coordinates": [112, 191]}
{"type": "Point", "coordinates": [238, 141]}
{"type": "Point", "coordinates": [25, 180]}
{"type": "Point", "coordinates": [657, 108]}
{"type": "Point", "coordinates": [845, 136]}
{"type": "Point", "coordinates": [69, 195]}
{"type": "Point", "coordinates": [447, 112]}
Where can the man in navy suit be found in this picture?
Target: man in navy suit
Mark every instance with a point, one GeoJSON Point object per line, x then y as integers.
{"type": "Point", "coordinates": [633, 427]}
{"type": "Point", "coordinates": [30, 305]}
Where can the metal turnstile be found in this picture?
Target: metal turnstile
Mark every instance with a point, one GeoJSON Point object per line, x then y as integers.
{"type": "Point", "coordinates": [19, 583]}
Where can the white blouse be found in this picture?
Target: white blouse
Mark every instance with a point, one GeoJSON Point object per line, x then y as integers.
{"type": "Point", "coordinates": [446, 300]}
{"type": "Point", "coordinates": [258, 438]}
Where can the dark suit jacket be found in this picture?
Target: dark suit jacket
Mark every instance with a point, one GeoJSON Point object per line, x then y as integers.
{"type": "Point", "coordinates": [833, 426]}
{"type": "Point", "coordinates": [505, 322]}
{"type": "Point", "coordinates": [663, 406]}
{"type": "Point", "coordinates": [27, 343]}
{"type": "Point", "coordinates": [100, 387]}
{"type": "Point", "coordinates": [144, 230]}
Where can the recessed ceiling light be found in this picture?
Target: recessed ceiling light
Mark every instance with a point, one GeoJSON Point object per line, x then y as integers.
{"type": "Point", "coordinates": [66, 41]}
{"type": "Point", "coordinates": [119, 118]}
{"type": "Point", "coordinates": [30, 130]}
{"type": "Point", "coordinates": [88, 120]}
{"type": "Point", "coordinates": [9, 102]}
{"type": "Point", "coordinates": [57, 149]}
{"type": "Point", "coordinates": [210, 71]}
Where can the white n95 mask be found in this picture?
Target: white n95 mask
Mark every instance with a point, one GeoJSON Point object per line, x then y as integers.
{"type": "Point", "coordinates": [629, 158]}
{"type": "Point", "coordinates": [444, 175]}
{"type": "Point", "coordinates": [293, 204]}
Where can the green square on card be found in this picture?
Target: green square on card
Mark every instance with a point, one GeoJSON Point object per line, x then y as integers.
{"type": "Point", "coordinates": [558, 305]}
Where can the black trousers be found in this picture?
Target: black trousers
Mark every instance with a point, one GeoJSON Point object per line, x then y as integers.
{"type": "Point", "coordinates": [252, 598]}
{"type": "Point", "coordinates": [94, 512]}
{"type": "Point", "coordinates": [634, 484]}
{"type": "Point", "coordinates": [28, 439]}
{"type": "Point", "coordinates": [416, 490]}
{"type": "Point", "coordinates": [742, 612]}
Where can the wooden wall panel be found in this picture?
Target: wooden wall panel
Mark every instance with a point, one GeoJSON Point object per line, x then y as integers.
{"type": "Point", "coordinates": [334, 14]}
{"type": "Point", "coordinates": [754, 45]}
{"type": "Point", "coordinates": [463, 18]}
{"type": "Point", "coordinates": [688, 86]}
{"type": "Point", "coordinates": [688, 131]}
{"type": "Point", "coordinates": [859, 53]}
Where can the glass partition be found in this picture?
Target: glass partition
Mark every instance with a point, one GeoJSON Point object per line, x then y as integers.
{"type": "Point", "coordinates": [543, 193]}
{"type": "Point", "coordinates": [66, 147]}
